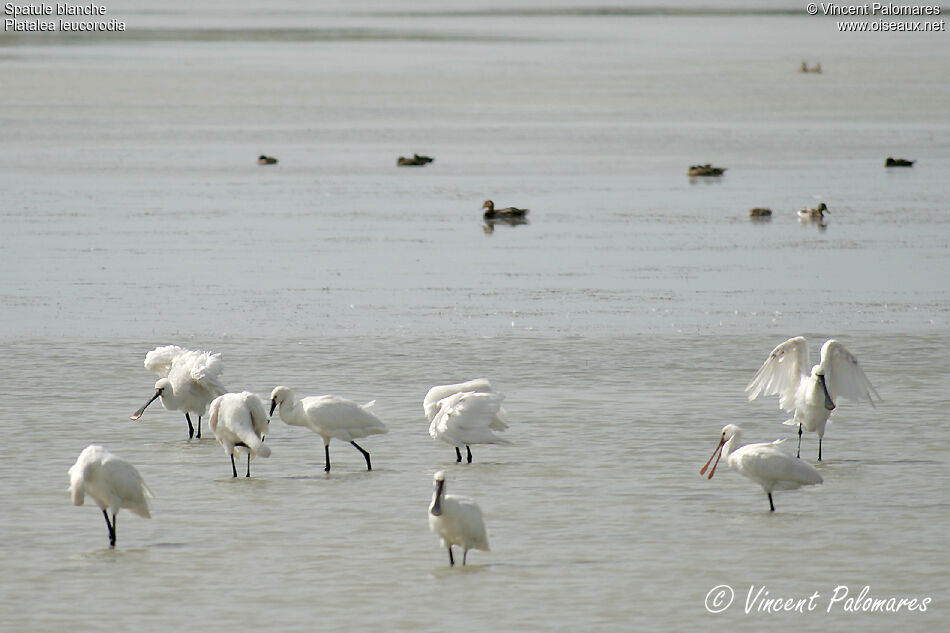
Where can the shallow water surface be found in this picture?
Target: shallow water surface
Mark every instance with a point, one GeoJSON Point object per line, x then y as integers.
{"type": "Point", "coordinates": [622, 322]}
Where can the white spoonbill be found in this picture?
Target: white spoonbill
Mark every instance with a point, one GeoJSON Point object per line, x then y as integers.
{"type": "Point", "coordinates": [239, 419]}
{"type": "Point", "coordinates": [480, 385]}
{"type": "Point", "coordinates": [468, 418]}
{"type": "Point", "coordinates": [113, 482]}
{"type": "Point", "coordinates": [457, 521]}
{"type": "Point", "coordinates": [811, 396]}
{"type": "Point", "coordinates": [328, 417]}
{"type": "Point", "coordinates": [188, 381]}
{"type": "Point", "coordinates": [764, 463]}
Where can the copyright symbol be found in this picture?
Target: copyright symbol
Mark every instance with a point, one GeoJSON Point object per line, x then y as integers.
{"type": "Point", "coordinates": [812, 8]}
{"type": "Point", "coordinates": [719, 598]}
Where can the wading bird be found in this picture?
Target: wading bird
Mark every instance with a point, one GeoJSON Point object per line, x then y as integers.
{"type": "Point", "coordinates": [328, 417]}
{"type": "Point", "coordinates": [765, 463]}
{"type": "Point", "coordinates": [240, 420]}
{"type": "Point", "coordinates": [431, 405]}
{"type": "Point", "coordinates": [811, 395]}
{"type": "Point", "coordinates": [468, 418]}
{"type": "Point", "coordinates": [111, 481]}
{"type": "Point", "coordinates": [457, 521]}
{"type": "Point", "coordinates": [189, 381]}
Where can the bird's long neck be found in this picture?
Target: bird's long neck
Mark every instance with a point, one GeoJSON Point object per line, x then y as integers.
{"type": "Point", "coordinates": [290, 411]}
{"type": "Point", "coordinates": [730, 446]}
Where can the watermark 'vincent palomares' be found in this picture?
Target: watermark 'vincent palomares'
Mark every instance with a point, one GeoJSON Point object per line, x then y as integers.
{"type": "Point", "coordinates": [841, 600]}
{"type": "Point", "coordinates": [872, 8]}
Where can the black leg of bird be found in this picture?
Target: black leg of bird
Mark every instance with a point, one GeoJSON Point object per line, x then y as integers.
{"type": "Point", "coordinates": [191, 429]}
{"type": "Point", "coordinates": [248, 465]}
{"type": "Point", "coordinates": [458, 455]}
{"type": "Point", "coordinates": [198, 432]}
{"type": "Point", "coordinates": [326, 451]}
{"type": "Point", "coordinates": [819, 448]}
{"type": "Point", "coordinates": [111, 529]}
{"type": "Point", "coordinates": [369, 466]}
{"type": "Point", "coordinates": [469, 451]}
{"type": "Point", "coordinates": [464, 557]}
{"type": "Point", "coordinates": [799, 454]}
{"type": "Point", "coordinates": [451, 558]}
{"type": "Point", "coordinates": [233, 467]}
{"type": "Point", "coordinates": [771, 505]}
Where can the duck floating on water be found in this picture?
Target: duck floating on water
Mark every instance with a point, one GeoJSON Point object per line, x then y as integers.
{"type": "Point", "coordinates": [705, 170]}
{"type": "Point", "coordinates": [415, 161]}
{"type": "Point", "coordinates": [818, 213]}
{"type": "Point", "coordinates": [805, 69]}
{"type": "Point", "coordinates": [266, 160]}
{"type": "Point", "coordinates": [508, 213]}
{"type": "Point", "coordinates": [760, 212]}
{"type": "Point", "coordinates": [898, 162]}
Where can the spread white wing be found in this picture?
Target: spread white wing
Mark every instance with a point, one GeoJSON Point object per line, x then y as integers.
{"type": "Point", "coordinates": [843, 374]}
{"type": "Point", "coordinates": [781, 373]}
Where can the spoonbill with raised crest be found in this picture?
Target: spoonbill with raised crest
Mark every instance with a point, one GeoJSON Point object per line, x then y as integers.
{"type": "Point", "coordinates": [188, 381]}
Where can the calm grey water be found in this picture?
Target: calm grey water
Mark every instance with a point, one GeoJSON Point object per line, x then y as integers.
{"type": "Point", "coordinates": [623, 322]}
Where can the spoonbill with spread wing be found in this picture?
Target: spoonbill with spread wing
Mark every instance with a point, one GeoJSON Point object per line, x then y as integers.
{"type": "Point", "coordinates": [111, 481]}
{"type": "Point", "coordinates": [188, 381]}
{"type": "Point", "coordinates": [765, 463]}
{"type": "Point", "coordinates": [812, 395]}
{"type": "Point", "coordinates": [328, 417]}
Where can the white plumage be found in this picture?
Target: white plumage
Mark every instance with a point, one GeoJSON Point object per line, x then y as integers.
{"type": "Point", "coordinates": [468, 418]}
{"type": "Point", "coordinates": [111, 481]}
{"type": "Point", "coordinates": [188, 381]}
{"type": "Point", "coordinates": [479, 385]}
{"type": "Point", "coordinates": [240, 420]}
{"type": "Point", "coordinates": [764, 463]}
{"type": "Point", "coordinates": [811, 395]}
{"type": "Point", "coordinates": [457, 520]}
{"type": "Point", "coordinates": [329, 417]}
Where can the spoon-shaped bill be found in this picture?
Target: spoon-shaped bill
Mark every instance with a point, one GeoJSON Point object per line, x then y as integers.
{"type": "Point", "coordinates": [138, 414]}
{"type": "Point", "coordinates": [717, 454]}
{"type": "Point", "coordinates": [829, 403]}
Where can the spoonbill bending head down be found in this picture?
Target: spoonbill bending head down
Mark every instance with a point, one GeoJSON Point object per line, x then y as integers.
{"type": "Point", "coordinates": [811, 396]}
{"type": "Point", "coordinates": [239, 419]}
{"type": "Point", "coordinates": [111, 481]}
{"type": "Point", "coordinates": [431, 405]}
{"type": "Point", "coordinates": [468, 418]}
{"type": "Point", "coordinates": [765, 463]}
{"type": "Point", "coordinates": [188, 381]}
{"type": "Point", "coordinates": [328, 417]}
{"type": "Point", "coordinates": [457, 521]}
